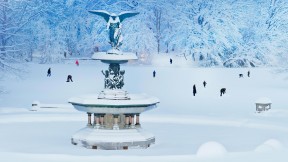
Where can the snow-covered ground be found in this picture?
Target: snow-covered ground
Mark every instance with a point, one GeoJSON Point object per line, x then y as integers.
{"type": "Point", "coordinates": [206, 127]}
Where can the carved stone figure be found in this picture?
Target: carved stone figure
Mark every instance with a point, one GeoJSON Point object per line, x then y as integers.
{"type": "Point", "coordinates": [114, 25]}
{"type": "Point", "coordinates": [114, 77]}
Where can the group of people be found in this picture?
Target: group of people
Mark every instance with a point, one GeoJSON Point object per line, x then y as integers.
{"type": "Point", "coordinates": [194, 87]}
{"type": "Point", "coordinates": [69, 77]}
{"type": "Point", "coordinates": [241, 75]}
{"type": "Point", "coordinates": [154, 72]}
{"type": "Point", "coordinates": [222, 90]}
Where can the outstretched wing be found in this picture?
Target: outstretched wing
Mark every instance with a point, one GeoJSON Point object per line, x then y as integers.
{"type": "Point", "coordinates": [102, 13]}
{"type": "Point", "coordinates": [126, 14]}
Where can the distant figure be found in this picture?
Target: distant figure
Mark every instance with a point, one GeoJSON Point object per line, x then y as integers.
{"type": "Point", "coordinates": [240, 75]}
{"type": "Point", "coordinates": [204, 83]}
{"type": "Point", "coordinates": [171, 61]}
{"type": "Point", "coordinates": [96, 49]}
{"type": "Point", "coordinates": [194, 90]}
{"type": "Point", "coordinates": [77, 62]}
{"type": "Point", "coordinates": [69, 78]}
{"type": "Point", "coordinates": [154, 74]}
{"type": "Point", "coordinates": [65, 54]}
{"type": "Point", "coordinates": [222, 91]}
{"type": "Point", "coordinates": [49, 72]}
{"type": "Point", "coordinates": [248, 73]}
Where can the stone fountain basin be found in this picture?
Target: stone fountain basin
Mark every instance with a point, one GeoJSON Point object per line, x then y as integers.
{"type": "Point", "coordinates": [114, 57]}
{"type": "Point", "coordinates": [113, 139]}
{"type": "Point", "coordinates": [137, 103]}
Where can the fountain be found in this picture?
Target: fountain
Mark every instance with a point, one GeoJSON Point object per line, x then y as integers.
{"type": "Point", "coordinates": [116, 123]}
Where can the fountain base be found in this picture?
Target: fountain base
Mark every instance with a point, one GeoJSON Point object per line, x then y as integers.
{"type": "Point", "coordinates": [107, 139]}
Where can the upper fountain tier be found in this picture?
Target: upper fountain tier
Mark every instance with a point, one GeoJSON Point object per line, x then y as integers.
{"type": "Point", "coordinates": [114, 56]}
{"type": "Point", "coordinates": [114, 25]}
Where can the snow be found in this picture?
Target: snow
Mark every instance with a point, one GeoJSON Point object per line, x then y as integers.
{"type": "Point", "coordinates": [177, 61]}
{"type": "Point", "coordinates": [263, 100]}
{"type": "Point", "coordinates": [135, 99]}
{"type": "Point", "coordinates": [186, 128]}
{"type": "Point", "coordinates": [122, 56]}
{"type": "Point", "coordinates": [100, 135]}
{"type": "Point", "coordinates": [270, 145]}
{"type": "Point", "coordinates": [211, 149]}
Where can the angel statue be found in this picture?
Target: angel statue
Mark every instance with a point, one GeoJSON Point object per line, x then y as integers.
{"type": "Point", "coordinates": [114, 25]}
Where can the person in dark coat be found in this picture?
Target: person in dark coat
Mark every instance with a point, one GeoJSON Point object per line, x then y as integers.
{"type": "Point", "coordinates": [154, 74]}
{"type": "Point", "coordinates": [248, 73]}
{"type": "Point", "coordinates": [204, 83]}
{"type": "Point", "coordinates": [49, 72]}
{"type": "Point", "coordinates": [171, 61]}
{"type": "Point", "coordinates": [222, 91]}
{"type": "Point", "coordinates": [69, 78]}
{"type": "Point", "coordinates": [194, 90]}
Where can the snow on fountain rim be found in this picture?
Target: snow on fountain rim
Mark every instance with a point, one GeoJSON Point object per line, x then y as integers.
{"type": "Point", "coordinates": [123, 56]}
{"type": "Point", "coordinates": [135, 100]}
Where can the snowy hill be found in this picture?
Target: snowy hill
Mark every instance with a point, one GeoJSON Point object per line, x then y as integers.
{"type": "Point", "coordinates": [230, 33]}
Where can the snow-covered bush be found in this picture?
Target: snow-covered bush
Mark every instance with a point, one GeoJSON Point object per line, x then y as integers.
{"type": "Point", "coordinates": [211, 149]}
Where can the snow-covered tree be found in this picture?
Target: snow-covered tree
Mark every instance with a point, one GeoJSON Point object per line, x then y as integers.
{"type": "Point", "coordinates": [16, 31]}
{"type": "Point", "coordinates": [277, 33]}
{"type": "Point", "coordinates": [208, 32]}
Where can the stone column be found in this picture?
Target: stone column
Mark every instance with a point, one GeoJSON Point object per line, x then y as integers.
{"type": "Point", "coordinates": [96, 121]}
{"type": "Point", "coordinates": [132, 125]}
{"type": "Point", "coordinates": [102, 120]}
{"type": "Point", "coordinates": [138, 121]}
{"type": "Point", "coordinates": [127, 120]}
{"type": "Point", "coordinates": [115, 125]}
{"type": "Point", "coordinates": [89, 119]}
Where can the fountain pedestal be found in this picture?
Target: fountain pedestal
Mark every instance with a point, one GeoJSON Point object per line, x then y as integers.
{"type": "Point", "coordinates": [115, 112]}
{"type": "Point", "coordinates": [113, 109]}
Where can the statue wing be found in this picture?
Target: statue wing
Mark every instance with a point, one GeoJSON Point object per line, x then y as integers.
{"type": "Point", "coordinates": [102, 13]}
{"type": "Point", "coordinates": [126, 14]}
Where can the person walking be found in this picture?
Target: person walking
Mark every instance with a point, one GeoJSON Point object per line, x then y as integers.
{"type": "Point", "coordinates": [204, 83]}
{"type": "Point", "coordinates": [194, 90]}
{"type": "Point", "coordinates": [69, 78]}
{"type": "Point", "coordinates": [154, 74]}
{"type": "Point", "coordinates": [49, 72]}
{"type": "Point", "coordinates": [171, 61]}
{"type": "Point", "coordinates": [222, 91]}
{"type": "Point", "coordinates": [77, 62]}
{"type": "Point", "coordinates": [248, 73]}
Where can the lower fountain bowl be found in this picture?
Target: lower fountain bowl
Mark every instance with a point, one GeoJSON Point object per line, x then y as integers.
{"type": "Point", "coordinates": [107, 139]}
{"type": "Point", "coordinates": [137, 103]}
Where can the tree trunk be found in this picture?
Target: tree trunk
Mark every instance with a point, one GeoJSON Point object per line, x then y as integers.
{"type": "Point", "coordinates": [167, 47]}
{"type": "Point", "coordinates": [157, 13]}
